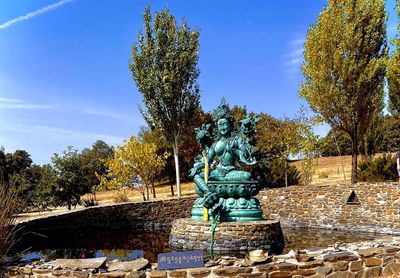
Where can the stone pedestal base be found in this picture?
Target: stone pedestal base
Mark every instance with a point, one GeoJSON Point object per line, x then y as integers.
{"type": "Point", "coordinates": [188, 234]}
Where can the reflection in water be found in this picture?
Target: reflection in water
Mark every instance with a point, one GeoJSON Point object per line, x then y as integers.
{"type": "Point", "coordinates": [130, 244]}
{"type": "Point", "coordinates": [307, 238]}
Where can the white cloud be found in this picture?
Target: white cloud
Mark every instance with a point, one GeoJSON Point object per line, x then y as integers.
{"type": "Point", "coordinates": [108, 114]}
{"type": "Point", "coordinates": [56, 133]}
{"type": "Point", "coordinates": [294, 57]}
{"type": "Point", "coordinates": [34, 13]}
{"type": "Point", "coordinates": [12, 103]}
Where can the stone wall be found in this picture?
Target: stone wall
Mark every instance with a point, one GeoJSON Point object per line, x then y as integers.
{"type": "Point", "coordinates": [377, 210]}
{"type": "Point", "coordinates": [373, 207]}
{"type": "Point", "coordinates": [369, 259]}
{"type": "Point", "coordinates": [148, 215]}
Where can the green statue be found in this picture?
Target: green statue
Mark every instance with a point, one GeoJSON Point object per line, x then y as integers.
{"type": "Point", "coordinates": [222, 183]}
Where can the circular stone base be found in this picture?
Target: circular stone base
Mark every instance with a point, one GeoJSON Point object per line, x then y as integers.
{"type": "Point", "coordinates": [188, 234]}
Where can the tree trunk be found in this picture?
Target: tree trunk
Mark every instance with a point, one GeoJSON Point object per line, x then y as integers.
{"type": "Point", "coordinates": [354, 155]}
{"type": "Point", "coordinates": [154, 189]}
{"type": "Point", "coordinates": [147, 190]}
{"type": "Point", "coordinates": [171, 184]}
{"type": "Point", "coordinates": [176, 158]}
{"type": "Point", "coordinates": [286, 183]}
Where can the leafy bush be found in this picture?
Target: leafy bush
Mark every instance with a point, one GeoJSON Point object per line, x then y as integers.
{"type": "Point", "coordinates": [276, 174]}
{"type": "Point", "coordinates": [323, 175]}
{"type": "Point", "coordinates": [381, 168]}
{"type": "Point", "coordinates": [121, 198]}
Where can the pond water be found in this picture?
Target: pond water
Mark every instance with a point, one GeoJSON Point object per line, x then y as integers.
{"type": "Point", "coordinates": [129, 244]}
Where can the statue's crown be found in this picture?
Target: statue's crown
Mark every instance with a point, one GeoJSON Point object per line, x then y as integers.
{"type": "Point", "coordinates": [222, 111]}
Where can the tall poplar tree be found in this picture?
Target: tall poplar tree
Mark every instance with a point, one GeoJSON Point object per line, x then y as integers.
{"type": "Point", "coordinates": [393, 73]}
{"type": "Point", "coordinates": [345, 55]}
{"type": "Point", "coordinates": [164, 67]}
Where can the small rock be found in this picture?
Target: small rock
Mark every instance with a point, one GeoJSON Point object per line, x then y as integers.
{"type": "Point", "coordinates": [356, 266]}
{"type": "Point", "coordinates": [177, 273]}
{"type": "Point", "coordinates": [158, 274]}
{"type": "Point", "coordinates": [340, 256]}
{"type": "Point", "coordinates": [372, 272]}
{"type": "Point", "coordinates": [372, 262]}
{"type": "Point", "coordinates": [200, 272]}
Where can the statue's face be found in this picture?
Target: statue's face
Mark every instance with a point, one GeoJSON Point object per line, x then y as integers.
{"type": "Point", "coordinates": [223, 126]}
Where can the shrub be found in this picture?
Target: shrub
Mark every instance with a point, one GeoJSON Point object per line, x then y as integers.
{"type": "Point", "coordinates": [9, 207]}
{"type": "Point", "coordinates": [89, 202]}
{"type": "Point", "coordinates": [323, 175]}
{"type": "Point", "coordinates": [276, 174]}
{"type": "Point", "coordinates": [121, 198]}
{"type": "Point", "coordinates": [375, 169]}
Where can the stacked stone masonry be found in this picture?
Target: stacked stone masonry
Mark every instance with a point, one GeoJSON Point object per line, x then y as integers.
{"type": "Point", "coordinates": [378, 209]}
{"type": "Point", "coordinates": [380, 258]}
{"type": "Point", "coordinates": [188, 234]}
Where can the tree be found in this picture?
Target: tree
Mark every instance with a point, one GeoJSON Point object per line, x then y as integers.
{"type": "Point", "coordinates": [70, 181]}
{"type": "Point", "coordinates": [335, 143]}
{"type": "Point", "coordinates": [92, 165]}
{"type": "Point", "coordinates": [164, 67]}
{"type": "Point", "coordinates": [393, 72]}
{"type": "Point", "coordinates": [345, 55]}
{"type": "Point", "coordinates": [135, 164]}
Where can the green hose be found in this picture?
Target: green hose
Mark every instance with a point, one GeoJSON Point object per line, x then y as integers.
{"type": "Point", "coordinates": [214, 222]}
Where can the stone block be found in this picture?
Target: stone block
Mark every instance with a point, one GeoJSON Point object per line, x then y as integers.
{"type": "Point", "coordinates": [391, 269]}
{"type": "Point", "coordinates": [115, 274]}
{"type": "Point", "coordinates": [340, 266]}
{"type": "Point", "coordinates": [286, 266]}
{"type": "Point", "coordinates": [61, 273]}
{"type": "Point", "coordinates": [338, 274]}
{"type": "Point", "coordinates": [157, 274]}
{"type": "Point", "coordinates": [304, 272]}
{"type": "Point", "coordinates": [323, 270]}
{"type": "Point", "coordinates": [280, 274]}
{"type": "Point", "coordinates": [311, 264]}
{"type": "Point", "coordinates": [231, 271]}
{"type": "Point", "coordinates": [177, 273]}
{"type": "Point", "coordinates": [340, 256]}
{"type": "Point", "coordinates": [356, 266]}
{"type": "Point", "coordinates": [80, 274]}
{"type": "Point", "coordinates": [369, 252]}
{"type": "Point", "coordinates": [251, 275]}
{"type": "Point", "coordinates": [200, 272]}
{"type": "Point", "coordinates": [372, 261]}
{"type": "Point", "coordinates": [136, 274]}
{"type": "Point", "coordinates": [372, 272]}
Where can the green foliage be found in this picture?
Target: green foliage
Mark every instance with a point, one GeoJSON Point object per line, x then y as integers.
{"type": "Point", "coordinates": [393, 72]}
{"type": "Point", "coordinates": [121, 197]}
{"type": "Point", "coordinates": [276, 174]}
{"type": "Point", "coordinates": [345, 55]}
{"type": "Point", "coordinates": [377, 169]}
{"type": "Point", "coordinates": [390, 134]}
{"type": "Point", "coordinates": [164, 67]}
{"type": "Point", "coordinates": [70, 181]}
{"type": "Point", "coordinates": [91, 161]}
{"type": "Point", "coordinates": [335, 143]}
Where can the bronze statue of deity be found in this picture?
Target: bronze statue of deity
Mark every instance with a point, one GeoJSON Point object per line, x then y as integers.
{"type": "Point", "coordinates": [223, 185]}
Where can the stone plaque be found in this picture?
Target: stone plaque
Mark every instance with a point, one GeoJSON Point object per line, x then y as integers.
{"type": "Point", "coordinates": [175, 260]}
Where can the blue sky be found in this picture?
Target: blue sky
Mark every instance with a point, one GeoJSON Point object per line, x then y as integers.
{"type": "Point", "coordinates": [64, 76]}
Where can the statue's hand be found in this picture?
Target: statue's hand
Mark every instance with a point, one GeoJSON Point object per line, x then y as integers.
{"type": "Point", "coordinates": [193, 171]}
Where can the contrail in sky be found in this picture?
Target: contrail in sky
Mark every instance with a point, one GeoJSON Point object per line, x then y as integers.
{"type": "Point", "coordinates": [34, 13]}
